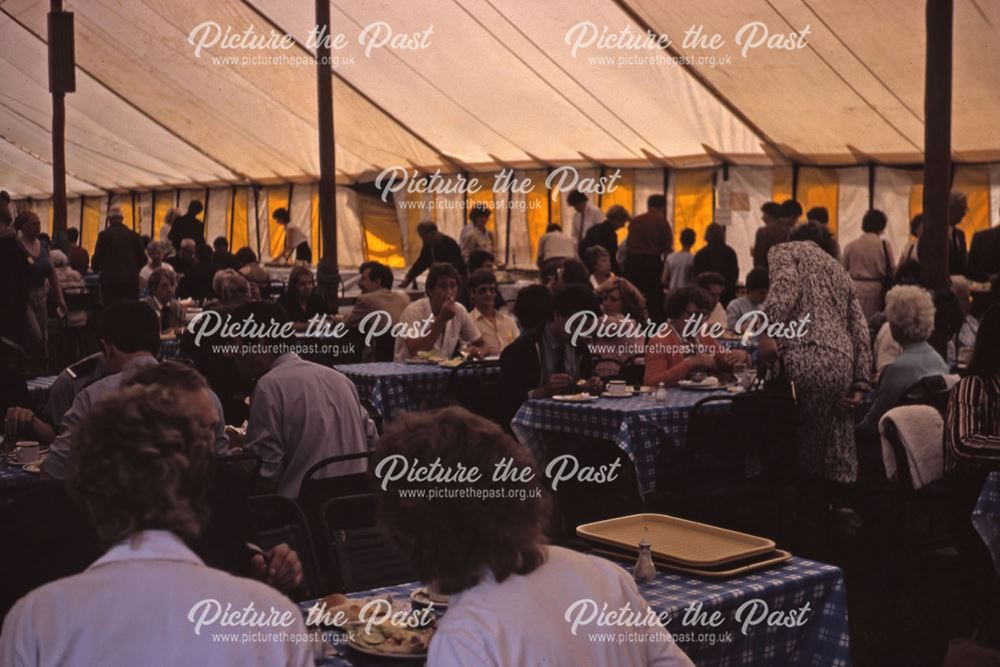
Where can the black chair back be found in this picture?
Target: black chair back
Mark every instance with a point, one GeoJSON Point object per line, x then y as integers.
{"type": "Point", "coordinates": [474, 387]}
{"type": "Point", "coordinates": [633, 372]}
{"type": "Point", "coordinates": [363, 557]}
{"type": "Point", "coordinates": [278, 520]}
{"type": "Point", "coordinates": [932, 390]}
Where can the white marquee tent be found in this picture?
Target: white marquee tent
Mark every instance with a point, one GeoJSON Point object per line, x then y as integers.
{"type": "Point", "coordinates": [470, 87]}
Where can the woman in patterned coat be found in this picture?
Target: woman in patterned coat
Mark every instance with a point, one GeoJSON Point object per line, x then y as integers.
{"type": "Point", "coordinates": [830, 363]}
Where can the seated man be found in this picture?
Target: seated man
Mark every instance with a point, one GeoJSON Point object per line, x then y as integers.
{"type": "Point", "coordinates": [129, 338]}
{"type": "Point", "coordinates": [497, 327]}
{"type": "Point", "coordinates": [714, 285]}
{"type": "Point", "coordinates": [141, 470]}
{"type": "Point", "coordinates": [671, 355]}
{"type": "Point", "coordinates": [757, 286]}
{"type": "Point", "coordinates": [300, 412]}
{"type": "Point", "coordinates": [543, 362]}
{"type": "Point", "coordinates": [910, 313]}
{"type": "Point", "coordinates": [375, 281]}
{"type": "Point", "coordinates": [440, 318]}
{"type": "Point", "coordinates": [169, 311]}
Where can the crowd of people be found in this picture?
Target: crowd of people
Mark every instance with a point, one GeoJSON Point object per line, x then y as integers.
{"type": "Point", "coordinates": [118, 415]}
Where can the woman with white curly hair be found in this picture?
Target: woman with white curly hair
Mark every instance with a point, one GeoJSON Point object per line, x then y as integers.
{"type": "Point", "coordinates": [910, 312]}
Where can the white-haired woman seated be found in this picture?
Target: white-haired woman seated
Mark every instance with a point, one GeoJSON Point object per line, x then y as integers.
{"type": "Point", "coordinates": [910, 313]}
{"type": "Point", "coordinates": [69, 278]}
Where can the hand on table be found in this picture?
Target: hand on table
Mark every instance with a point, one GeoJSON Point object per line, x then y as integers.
{"type": "Point", "coordinates": [17, 420]}
{"type": "Point", "coordinates": [595, 385]}
{"type": "Point", "coordinates": [557, 383]}
{"type": "Point", "coordinates": [282, 569]}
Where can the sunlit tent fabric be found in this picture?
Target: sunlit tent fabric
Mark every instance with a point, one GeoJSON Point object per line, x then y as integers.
{"type": "Point", "coordinates": [471, 87]}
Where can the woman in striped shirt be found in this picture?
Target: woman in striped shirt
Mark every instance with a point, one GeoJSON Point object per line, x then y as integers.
{"type": "Point", "coordinates": [972, 449]}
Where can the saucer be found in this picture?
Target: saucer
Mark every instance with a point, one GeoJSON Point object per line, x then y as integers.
{"type": "Point", "coordinates": [608, 394]}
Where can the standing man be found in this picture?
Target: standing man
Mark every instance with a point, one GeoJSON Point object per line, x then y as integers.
{"type": "Point", "coordinates": [649, 241]}
{"type": "Point", "coordinates": [773, 232]}
{"type": "Point", "coordinates": [118, 257]}
{"type": "Point", "coordinates": [984, 255]}
{"type": "Point", "coordinates": [587, 215]}
{"type": "Point", "coordinates": [437, 248]}
{"type": "Point", "coordinates": [188, 226]}
{"type": "Point", "coordinates": [295, 239]}
{"type": "Point", "coordinates": [475, 236]}
{"type": "Point", "coordinates": [13, 279]}
{"type": "Point", "coordinates": [605, 234]}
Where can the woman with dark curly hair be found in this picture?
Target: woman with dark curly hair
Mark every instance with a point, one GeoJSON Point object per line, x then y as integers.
{"type": "Point", "coordinates": [482, 541]}
{"type": "Point", "coordinates": [140, 469]}
{"type": "Point", "coordinates": [619, 299]}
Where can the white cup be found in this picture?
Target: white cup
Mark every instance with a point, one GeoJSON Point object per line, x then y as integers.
{"type": "Point", "coordinates": [26, 451]}
{"type": "Point", "coordinates": [618, 388]}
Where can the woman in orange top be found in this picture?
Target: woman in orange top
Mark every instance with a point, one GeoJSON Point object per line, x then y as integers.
{"type": "Point", "coordinates": [671, 357]}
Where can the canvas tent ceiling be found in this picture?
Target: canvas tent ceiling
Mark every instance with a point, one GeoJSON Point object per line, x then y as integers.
{"type": "Point", "coordinates": [497, 85]}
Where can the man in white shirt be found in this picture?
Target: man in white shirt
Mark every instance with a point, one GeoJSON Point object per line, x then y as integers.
{"type": "Point", "coordinates": [677, 268]}
{"type": "Point", "coordinates": [142, 471]}
{"type": "Point", "coordinates": [437, 322]}
{"type": "Point", "coordinates": [300, 412]}
{"type": "Point", "coordinates": [586, 216]}
{"type": "Point", "coordinates": [497, 327]}
{"type": "Point", "coordinates": [475, 236]}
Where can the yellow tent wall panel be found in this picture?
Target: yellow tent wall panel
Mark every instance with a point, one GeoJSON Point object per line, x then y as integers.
{"type": "Point", "coordinates": [383, 242]}
{"type": "Point", "coordinates": [91, 226]}
{"type": "Point", "coordinates": [164, 202]}
{"type": "Point", "coordinates": [974, 182]}
{"type": "Point", "coordinates": [537, 209]}
{"type": "Point", "coordinates": [314, 223]}
{"type": "Point", "coordinates": [238, 229]}
{"type": "Point", "coordinates": [781, 190]}
{"type": "Point", "coordinates": [819, 187]}
{"type": "Point", "coordinates": [277, 197]}
{"type": "Point", "coordinates": [622, 195]}
{"type": "Point", "coordinates": [692, 204]}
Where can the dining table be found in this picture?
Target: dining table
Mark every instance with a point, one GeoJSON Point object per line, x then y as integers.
{"type": "Point", "coordinates": [394, 387]}
{"type": "Point", "coordinates": [637, 424]}
{"type": "Point", "coordinates": [986, 516]}
{"type": "Point", "coordinates": [822, 637]}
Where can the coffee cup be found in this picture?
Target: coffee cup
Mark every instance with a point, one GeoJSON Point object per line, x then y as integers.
{"type": "Point", "coordinates": [618, 388]}
{"type": "Point", "coordinates": [26, 451]}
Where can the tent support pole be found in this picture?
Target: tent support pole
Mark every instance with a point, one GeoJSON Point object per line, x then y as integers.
{"type": "Point", "coordinates": [935, 240]}
{"type": "Point", "coordinates": [62, 80]}
{"type": "Point", "coordinates": [328, 273]}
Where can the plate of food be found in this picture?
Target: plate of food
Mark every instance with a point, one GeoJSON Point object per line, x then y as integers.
{"type": "Point", "coordinates": [426, 357]}
{"type": "Point", "coordinates": [340, 611]}
{"type": "Point", "coordinates": [710, 383]}
{"type": "Point", "coordinates": [389, 640]}
{"type": "Point", "coordinates": [582, 397]}
{"type": "Point", "coordinates": [425, 597]}
{"type": "Point", "coordinates": [452, 363]}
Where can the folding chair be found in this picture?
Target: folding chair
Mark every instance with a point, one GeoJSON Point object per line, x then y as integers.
{"type": "Point", "coordinates": [363, 557]}
{"type": "Point", "coordinates": [278, 520]}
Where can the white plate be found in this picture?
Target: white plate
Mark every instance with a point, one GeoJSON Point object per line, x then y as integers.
{"type": "Point", "coordinates": [32, 467]}
{"type": "Point", "coordinates": [698, 386]}
{"type": "Point", "coordinates": [419, 595]}
{"type": "Point", "coordinates": [371, 650]}
{"type": "Point", "coordinates": [608, 394]}
{"type": "Point", "coordinates": [574, 398]}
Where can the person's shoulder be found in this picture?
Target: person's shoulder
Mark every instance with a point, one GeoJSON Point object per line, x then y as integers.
{"type": "Point", "coordinates": [419, 308]}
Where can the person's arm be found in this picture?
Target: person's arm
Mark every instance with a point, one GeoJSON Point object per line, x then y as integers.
{"type": "Point", "coordinates": [22, 423]}
{"type": "Point", "coordinates": [264, 432]}
{"type": "Point", "coordinates": [662, 367]}
{"type": "Point", "coordinates": [540, 257]}
{"type": "Point", "coordinates": [54, 465]}
{"type": "Point", "coordinates": [973, 420]}
{"type": "Point", "coordinates": [423, 343]}
{"type": "Point", "coordinates": [422, 264]}
{"type": "Point", "coordinates": [470, 333]}
{"type": "Point", "coordinates": [358, 313]}
{"type": "Point", "coordinates": [857, 327]}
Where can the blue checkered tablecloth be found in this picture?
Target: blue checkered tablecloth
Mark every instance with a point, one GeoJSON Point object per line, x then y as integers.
{"type": "Point", "coordinates": [393, 387]}
{"type": "Point", "coordinates": [822, 640]}
{"type": "Point", "coordinates": [635, 424]}
{"type": "Point", "coordinates": [986, 516]}
{"type": "Point", "coordinates": [12, 475]}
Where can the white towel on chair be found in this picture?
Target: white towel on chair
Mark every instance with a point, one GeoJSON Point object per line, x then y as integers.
{"type": "Point", "coordinates": [921, 430]}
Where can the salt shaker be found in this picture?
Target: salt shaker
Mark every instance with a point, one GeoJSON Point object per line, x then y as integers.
{"type": "Point", "coordinates": [661, 393]}
{"type": "Point", "coordinates": [644, 570]}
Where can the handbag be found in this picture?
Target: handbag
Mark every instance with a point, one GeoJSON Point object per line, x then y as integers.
{"type": "Point", "coordinates": [887, 280]}
{"type": "Point", "coordinates": [773, 378]}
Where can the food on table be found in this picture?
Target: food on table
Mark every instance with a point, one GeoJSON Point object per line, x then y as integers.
{"type": "Point", "coordinates": [392, 638]}
{"type": "Point", "coordinates": [429, 355]}
{"type": "Point", "coordinates": [349, 607]}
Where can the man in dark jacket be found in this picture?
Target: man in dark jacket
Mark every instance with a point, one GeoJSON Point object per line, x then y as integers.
{"type": "Point", "coordinates": [188, 226]}
{"type": "Point", "coordinates": [605, 234]}
{"type": "Point", "coordinates": [437, 248]}
{"type": "Point", "coordinates": [118, 257]}
{"type": "Point", "coordinates": [543, 362]}
{"type": "Point", "coordinates": [717, 257]}
{"type": "Point", "coordinates": [984, 255]}
{"type": "Point", "coordinates": [13, 279]}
